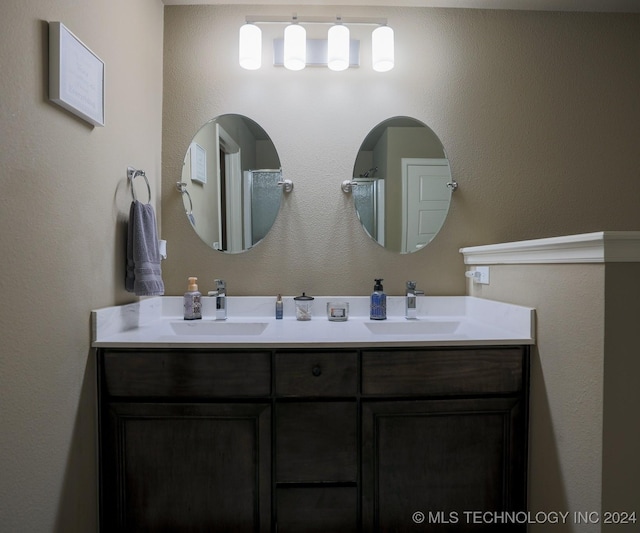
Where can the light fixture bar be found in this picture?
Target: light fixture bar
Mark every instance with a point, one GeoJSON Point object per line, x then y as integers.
{"type": "Point", "coordinates": [364, 21]}
{"type": "Point", "coordinates": [338, 51]}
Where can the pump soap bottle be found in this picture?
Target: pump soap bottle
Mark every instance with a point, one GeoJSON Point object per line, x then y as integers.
{"type": "Point", "coordinates": [378, 309]}
{"type": "Point", "coordinates": [192, 301]}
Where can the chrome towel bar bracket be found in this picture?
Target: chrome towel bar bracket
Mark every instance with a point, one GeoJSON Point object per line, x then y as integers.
{"type": "Point", "coordinates": [287, 185]}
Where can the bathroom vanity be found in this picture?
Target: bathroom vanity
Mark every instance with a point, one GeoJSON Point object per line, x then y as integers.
{"type": "Point", "coordinates": [224, 432]}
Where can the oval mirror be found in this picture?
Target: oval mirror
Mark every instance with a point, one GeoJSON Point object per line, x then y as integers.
{"type": "Point", "coordinates": [231, 183]}
{"type": "Point", "coordinates": [402, 184]}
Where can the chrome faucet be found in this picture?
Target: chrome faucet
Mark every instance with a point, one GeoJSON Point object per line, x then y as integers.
{"type": "Point", "coordinates": [221, 299]}
{"type": "Point", "coordinates": [411, 313]}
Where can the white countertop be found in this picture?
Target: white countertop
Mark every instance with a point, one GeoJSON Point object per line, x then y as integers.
{"type": "Point", "coordinates": [442, 321]}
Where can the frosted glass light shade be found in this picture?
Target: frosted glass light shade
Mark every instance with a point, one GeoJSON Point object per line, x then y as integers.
{"type": "Point", "coordinates": [338, 47]}
{"type": "Point", "coordinates": [382, 49]}
{"type": "Point", "coordinates": [295, 47]}
{"type": "Point", "coordinates": [250, 55]}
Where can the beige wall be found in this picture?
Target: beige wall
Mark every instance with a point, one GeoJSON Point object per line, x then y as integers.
{"type": "Point", "coordinates": [537, 112]}
{"type": "Point", "coordinates": [621, 439]}
{"type": "Point", "coordinates": [566, 419]}
{"type": "Point", "coordinates": [62, 210]}
{"type": "Point", "coordinates": [584, 436]}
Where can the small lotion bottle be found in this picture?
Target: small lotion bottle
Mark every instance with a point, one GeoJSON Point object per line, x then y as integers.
{"type": "Point", "coordinates": [279, 307]}
{"type": "Point", "coordinates": [378, 309]}
{"type": "Point", "coordinates": [192, 301]}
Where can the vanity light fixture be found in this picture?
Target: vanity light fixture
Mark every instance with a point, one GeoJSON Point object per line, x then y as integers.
{"type": "Point", "coordinates": [338, 47]}
{"type": "Point", "coordinates": [382, 49]}
{"type": "Point", "coordinates": [295, 46]}
{"type": "Point", "coordinates": [337, 52]}
{"type": "Point", "coordinates": [250, 49]}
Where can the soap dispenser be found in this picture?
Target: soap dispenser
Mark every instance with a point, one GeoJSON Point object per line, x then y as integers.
{"type": "Point", "coordinates": [192, 301]}
{"type": "Point", "coordinates": [378, 309]}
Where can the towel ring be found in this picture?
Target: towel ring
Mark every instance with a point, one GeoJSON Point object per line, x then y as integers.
{"type": "Point", "coordinates": [131, 175]}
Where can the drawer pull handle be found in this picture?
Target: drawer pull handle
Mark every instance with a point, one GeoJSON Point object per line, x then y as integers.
{"type": "Point", "coordinates": [316, 371]}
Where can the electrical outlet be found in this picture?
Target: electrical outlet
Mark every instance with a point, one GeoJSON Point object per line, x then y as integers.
{"type": "Point", "coordinates": [481, 275]}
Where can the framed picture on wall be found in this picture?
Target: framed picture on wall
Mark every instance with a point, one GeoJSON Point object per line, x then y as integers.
{"type": "Point", "coordinates": [76, 75]}
{"type": "Point", "coordinates": [198, 163]}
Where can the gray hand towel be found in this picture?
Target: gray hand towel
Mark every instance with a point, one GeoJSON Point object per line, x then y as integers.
{"type": "Point", "coordinates": [143, 273]}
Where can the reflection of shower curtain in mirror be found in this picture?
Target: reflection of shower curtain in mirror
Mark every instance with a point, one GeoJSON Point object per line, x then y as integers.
{"type": "Point", "coordinates": [368, 197]}
{"type": "Point", "coordinates": [265, 195]}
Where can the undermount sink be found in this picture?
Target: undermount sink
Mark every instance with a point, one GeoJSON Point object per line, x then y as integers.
{"type": "Point", "coordinates": [210, 327]}
{"type": "Point", "coordinates": [413, 327]}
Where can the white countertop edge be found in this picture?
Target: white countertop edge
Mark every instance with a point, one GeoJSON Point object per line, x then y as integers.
{"type": "Point", "coordinates": [306, 345]}
{"type": "Point", "coordinates": [597, 247]}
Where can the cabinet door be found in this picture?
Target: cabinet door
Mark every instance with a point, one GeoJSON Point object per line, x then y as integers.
{"type": "Point", "coordinates": [186, 467]}
{"type": "Point", "coordinates": [443, 458]}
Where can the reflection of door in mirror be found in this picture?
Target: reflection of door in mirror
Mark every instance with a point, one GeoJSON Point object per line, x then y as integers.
{"type": "Point", "coordinates": [425, 200]}
{"type": "Point", "coordinates": [230, 191]}
{"type": "Point", "coordinates": [368, 196]}
{"type": "Point", "coordinates": [222, 183]}
{"type": "Point", "coordinates": [262, 202]}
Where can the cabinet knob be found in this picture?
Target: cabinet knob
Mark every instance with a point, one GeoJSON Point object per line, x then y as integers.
{"type": "Point", "coordinates": [316, 370]}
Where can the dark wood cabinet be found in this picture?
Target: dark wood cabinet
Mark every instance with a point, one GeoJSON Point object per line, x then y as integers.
{"type": "Point", "coordinates": [316, 442]}
{"type": "Point", "coordinates": [311, 440]}
{"type": "Point", "coordinates": [183, 374]}
{"type": "Point", "coordinates": [454, 371]}
{"type": "Point", "coordinates": [451, 442]}
{"type": "Point", "coordinates": [187, 467]}
{"type": "Point", "coordinates": [442, 457]}
{"type": "Point", "coordinates": [185, 440]}
{"type": "Point", "coordinates": [317, 509]}
{"type": "Point", "coordinates": [316, 374]}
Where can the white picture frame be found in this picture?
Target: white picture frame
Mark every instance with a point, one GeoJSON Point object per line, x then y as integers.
{"type": "Point", "coordinates": [76, 75]}
{"type": "Point", "coordinates": [198, 163]}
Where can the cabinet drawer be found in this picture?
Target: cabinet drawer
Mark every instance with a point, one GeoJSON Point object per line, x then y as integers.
{"type": "Point", "coordinates": [316, 374]}
{"type": "Point", "coordinates": [317, 509]}
{"type": "Point", "coordinates": [316, 442]}
{"type": "Point", "coordinates": [187, 373]}
{"type": "Point", "coordinates": [433, 372]}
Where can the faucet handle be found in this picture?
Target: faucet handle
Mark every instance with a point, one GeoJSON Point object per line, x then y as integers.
{"type": "Point", "coordinates": [220, 284]}
{"type": "Point", "coordinates": [411, 287]}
